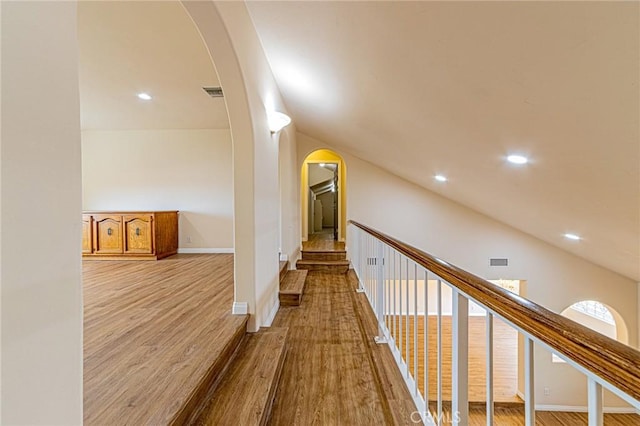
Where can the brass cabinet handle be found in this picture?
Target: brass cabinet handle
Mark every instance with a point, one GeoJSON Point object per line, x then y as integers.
{"type": "Point", "coordinates": [138, 232]}
{"type": "Point", "coordinates": [109, 231]}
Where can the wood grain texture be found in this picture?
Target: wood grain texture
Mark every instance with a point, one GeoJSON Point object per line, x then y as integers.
{"type": "Point", "coordinates": [613, 361]}
{"type": "Point", "coordinates": [324, 255]}
{"type": "Point", "coordinates": [329, 376]}
{"type": "Point", "coordinates": [246, 392]}
{"type": "Point", "coordinates": [130, 235]}
{"type": "Point", "coordinates": [322, 242]}
{"type": "Point", "coordinates": [514, 416]}
{"type": "Point", "coordinates": [292, 287]}
{"type": "Point", "coordinates": [328, 266]}
{"type": "Point", "coordinates": [152, 332]}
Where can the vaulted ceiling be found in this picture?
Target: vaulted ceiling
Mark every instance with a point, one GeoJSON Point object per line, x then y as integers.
{"type": "Point", "coordinates": [426, 88]}
{"type": "Point", "coordinates": [420, 88]}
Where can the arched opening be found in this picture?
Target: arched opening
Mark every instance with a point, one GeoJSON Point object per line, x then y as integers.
{"type": "Point", "coordinates": [323, 195]}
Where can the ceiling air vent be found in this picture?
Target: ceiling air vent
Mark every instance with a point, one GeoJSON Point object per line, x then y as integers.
{"type": "Point", "coordinates": [214, 92]}
{"type": "Point", "coordinates": [499, 262]}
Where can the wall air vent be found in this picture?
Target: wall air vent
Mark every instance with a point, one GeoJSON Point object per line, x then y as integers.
{"type": "Point", "coordinates": [214, 92]}
{"type": "Point", "coordinates": [498, 262]}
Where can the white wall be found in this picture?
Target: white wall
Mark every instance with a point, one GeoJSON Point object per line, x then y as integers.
{"type": "Point", "coordinates": [250, 92]}
{"type": "Point", "coordinates": [555, 279]}
{"type": "Point", "coordinates": [186, 170]}
{"type": "Point", "coordinates": [41, 295]}
{"type": "Point", "coordinates": [289, 195]}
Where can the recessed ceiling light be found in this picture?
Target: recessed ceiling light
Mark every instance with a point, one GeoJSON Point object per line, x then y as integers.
{"type": "Point", "coordinates": [322, 164]}
{"type": "Point", "coordinates": [573, 237]}
{"type": "Point", "coordinates": [440, 178]}
{"type": "Point", "coordinates": [144, 96]}
{"type": "Point", "coordinates": [517, 159]}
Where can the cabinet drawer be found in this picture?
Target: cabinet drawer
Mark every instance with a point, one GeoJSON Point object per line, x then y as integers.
{"type": "Point", "coordinates": [107, 234]}
{"type": "Point", "coordinates": [138, 233]}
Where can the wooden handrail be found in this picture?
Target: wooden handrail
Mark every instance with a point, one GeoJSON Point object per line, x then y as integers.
{"type": "Point", "coordinates": [614, 362]}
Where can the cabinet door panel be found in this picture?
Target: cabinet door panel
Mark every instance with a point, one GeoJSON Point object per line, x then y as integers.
{"type": "Point", "coordinates": [87, 234]}
{"type": "Point", "coordinates": [108, 234]}
{"type": "Point", "coordinates": [138, 231]}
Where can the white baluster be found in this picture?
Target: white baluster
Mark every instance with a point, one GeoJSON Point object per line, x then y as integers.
{"type": "Point", "coordinates": [439, 343]}
{"type": "Point", "coordinates": [406, 346]}
{"type": "Point", "coordinates": [489, 344]}
{"type": "Point", "coordinates": [425, 334]}
{"type": "Point", "coordinates": [596, 418]}
{"type": "Point", "coordinates": [529, 389]}
{"type": "Point", "coordinates": [460, 358]}
{"type": "Point", "coordinates": [380, 339]}
{"type": "Point", "coordinates": [415, 328]}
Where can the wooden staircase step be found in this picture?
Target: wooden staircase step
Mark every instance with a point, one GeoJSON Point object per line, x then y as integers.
{"type": "Point", "coordinates": [329, 266]}
{"type": "Point", "coordinates": [247, 390]}
{"type": "Point", "coordinates": [324, 254]}
{"type": "Point", "coordinates": [284, 266]}
{"type": "Point", "coordinates": [292, 287]}
{"type": "Point", "coordinates": [197, 400]}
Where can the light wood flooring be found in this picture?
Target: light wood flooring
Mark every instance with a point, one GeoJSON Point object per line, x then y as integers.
{"type": "Point", "coordinates": [505, 356]}
{"type": "Point", "coordinates": [330, 375]}
{"type": "Point", "coordinates": [151, 332]}
{"type": "Point", "coordinates": [515, 417]}
{"type": "Point", "coordinates": [322, 241]}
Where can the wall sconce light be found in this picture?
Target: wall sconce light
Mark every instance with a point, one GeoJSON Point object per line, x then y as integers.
{"type": "Point", "coordinates": [277, 121]}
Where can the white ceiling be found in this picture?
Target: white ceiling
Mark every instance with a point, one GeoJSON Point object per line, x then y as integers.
{"type": "Point", "coordinates": [131, 47]}
{"type": "Point", "coordinates": [420, 88]}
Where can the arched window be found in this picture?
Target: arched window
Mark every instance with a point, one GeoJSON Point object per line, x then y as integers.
{"type": "Point", "coordinates": [598, 317]}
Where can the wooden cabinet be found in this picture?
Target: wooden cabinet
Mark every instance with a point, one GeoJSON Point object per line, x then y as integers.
{"type": "Point", "coordinates": [129, 235]}
{"type": "Point", "coordinates": [87, 234]}
{"type": "Point", "coordinates": [108, 234]}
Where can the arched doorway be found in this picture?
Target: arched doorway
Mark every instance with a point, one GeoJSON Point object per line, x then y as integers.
{"type": "Point", "coordinates": [323, 195]}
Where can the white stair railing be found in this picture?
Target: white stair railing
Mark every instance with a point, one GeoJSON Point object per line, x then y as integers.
{"type": "Point", "coordinates": [393, 275]}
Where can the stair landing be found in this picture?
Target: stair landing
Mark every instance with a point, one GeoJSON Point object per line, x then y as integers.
{"type": "Point", "coordinates": [246, 393]}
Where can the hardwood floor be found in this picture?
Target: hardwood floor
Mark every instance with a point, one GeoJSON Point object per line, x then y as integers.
{"type": "Point", "coordinates": [152, 331]}
{"type": "Point", "coordinates": [515, 417]}
{"type": "Point", "coordinates": [322, 241]}
{"type": "Point", "coordinates": [329, 376]}
{"type": "Point", "coordinates": [505, 357]}
{"type": "Point", "coordinates": [252, 379]}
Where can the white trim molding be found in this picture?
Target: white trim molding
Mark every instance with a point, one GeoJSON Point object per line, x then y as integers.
{"type": "Point", "coordinates": [272, 314]}
{"type": "Point", "coordinates": [204, 250]}
{"type": "Point", "coordinates": [240, 308]}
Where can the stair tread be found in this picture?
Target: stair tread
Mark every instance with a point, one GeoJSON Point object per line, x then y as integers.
{"type": "Point", "coordinates": [294, 281]}
{"type": "Point", "coordinates": [323, 251]}
{"type": "Point", "coordinates": [246, 392]}
{"type": "Point", "coordinates": [323, 262]}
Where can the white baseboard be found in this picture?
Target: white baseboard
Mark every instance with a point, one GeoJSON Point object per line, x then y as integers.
{"type": "Point", "coordinates": [184, 250]}
{"type": "Point", "coordinates": [240, 308]}
{"type": "Point", "coordinates": [272, 314]}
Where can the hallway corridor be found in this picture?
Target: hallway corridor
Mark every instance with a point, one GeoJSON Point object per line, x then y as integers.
{"type": "Point", "coordinates": [329, 376]}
